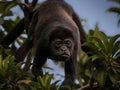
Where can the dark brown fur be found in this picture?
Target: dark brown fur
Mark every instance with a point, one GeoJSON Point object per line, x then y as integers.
{"type": "Point", "coordinates": [55, 16]}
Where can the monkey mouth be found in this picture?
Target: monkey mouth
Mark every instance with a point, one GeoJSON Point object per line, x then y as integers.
{"type": "Point", "coordinates": [64, 55]}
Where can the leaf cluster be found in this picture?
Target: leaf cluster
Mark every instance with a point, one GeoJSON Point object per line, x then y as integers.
{"type": "Point", "coordinates": [14, 77]}
{"type": "Point", "coordinates": [103, 64]}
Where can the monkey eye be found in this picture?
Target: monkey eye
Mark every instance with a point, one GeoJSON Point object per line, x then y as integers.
{"type": "Point", "coordinates": [58, 44]}
{"type": "Point", "coordinates": [68, 43]}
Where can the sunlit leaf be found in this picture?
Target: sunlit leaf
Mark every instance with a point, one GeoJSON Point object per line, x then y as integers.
{"type": "Point", "coordinates": [116, 47]}
{"type": "Point", "coordinates": [112, 42]}
{"type": "Point", "coordinates": [5, 9]}
{"type": "Point", "coordinates": [95, 57]}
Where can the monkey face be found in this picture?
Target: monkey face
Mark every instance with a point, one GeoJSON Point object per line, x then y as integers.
{"type": "Point", "coordinates": [61, 49]}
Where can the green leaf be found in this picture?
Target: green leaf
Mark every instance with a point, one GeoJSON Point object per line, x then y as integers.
{"type": "Point", "coordinates": [88, 73]}
{"type": "Point", "coordinates": [113, 39]}
{"type": "Point", "coordinates": [101, 77]}
{"type": "Point", "coordinates": [5, 9]}
{"type": "Point", "coordinates": [21, 87]}
{"type": "Point", "coordinates": [114, 76]}
{"type": "Point", "coordinates": [116, 48]}
{"type": "Point", "coordinates": [97, 41]}
{"type": "Point", "coordinates": [104, 38]}
{"type": "Point", "coordinates": [90, 45]}
{"type": "Point", "coordinates": [91, 32]}
{"type": "Point", "coordinates": [83, 58]}
{"type": "Point", "coordinates": [117, 69]}
{"type": "Point", "coordinates": [1, 61]}
{"type": "Point", "coordinates": [45, 81]}
{"type": "Point", "coordinates": [99, 44]}
{"type": "Point", "coordinates": [35, 84]}
{"type": "Point", "coordinates": [24, 81]}
{"type": "Point", "coordinates": [2, 7]}
{"type": "Point", "coordinates": [4, 65]}
{"type": "Point", "coordinates": [95, 57]}
{"type": "Point", "coordinates": [1, 20]}
{"type": "Point", "coordinates": [112, 42]}
{"type": "Point", "coordinates": [117, 55]}
{"type": "Point", "coordinates": [114, 9]}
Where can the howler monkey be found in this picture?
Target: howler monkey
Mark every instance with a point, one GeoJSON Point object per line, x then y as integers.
{"type": "Point", "coordinates": [55, 32]}
{"type": "Point", "coordinates": [56, 35]}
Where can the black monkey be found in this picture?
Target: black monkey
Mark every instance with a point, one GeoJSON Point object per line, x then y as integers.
{"type": "Point", "coordinates": [55, 30]}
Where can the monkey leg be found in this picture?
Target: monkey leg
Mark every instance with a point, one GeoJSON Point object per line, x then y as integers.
{"type": "Point", "coordinates": [39, 61]}
{"type": "Point", "coordinates": [70, 71]}
{"type": "Point", "coordinates": [37, 66]}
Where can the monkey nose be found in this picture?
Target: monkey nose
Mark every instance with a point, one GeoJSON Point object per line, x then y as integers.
{"type": "Point", "coordinates": [63, 49]}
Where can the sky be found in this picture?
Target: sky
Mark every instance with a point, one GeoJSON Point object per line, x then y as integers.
{"type": "Point", "coordinates": [95, 11]}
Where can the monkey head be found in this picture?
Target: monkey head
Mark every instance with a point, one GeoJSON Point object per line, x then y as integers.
{"type": "Point", "coordinates": [61, 49]}
{"type": "Point", "coordinates": [61, 45]}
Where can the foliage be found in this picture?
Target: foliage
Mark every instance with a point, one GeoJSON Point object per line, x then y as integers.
{"type": "Point", "coordinates": [45, 83]}
{"type": "Point", "coordinates": [116, 9]}
{"type": "Point", "coordinates": [103, 66]}
{"type": "Point", "coordinates": [12, 77]}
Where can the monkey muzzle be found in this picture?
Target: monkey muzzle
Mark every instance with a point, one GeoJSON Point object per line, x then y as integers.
{"type": "Point", "coordinates": [64, 56]}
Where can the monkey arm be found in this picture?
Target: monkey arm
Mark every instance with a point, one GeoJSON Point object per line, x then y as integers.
{"type": "Point", "coordinates": [70, 73]}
